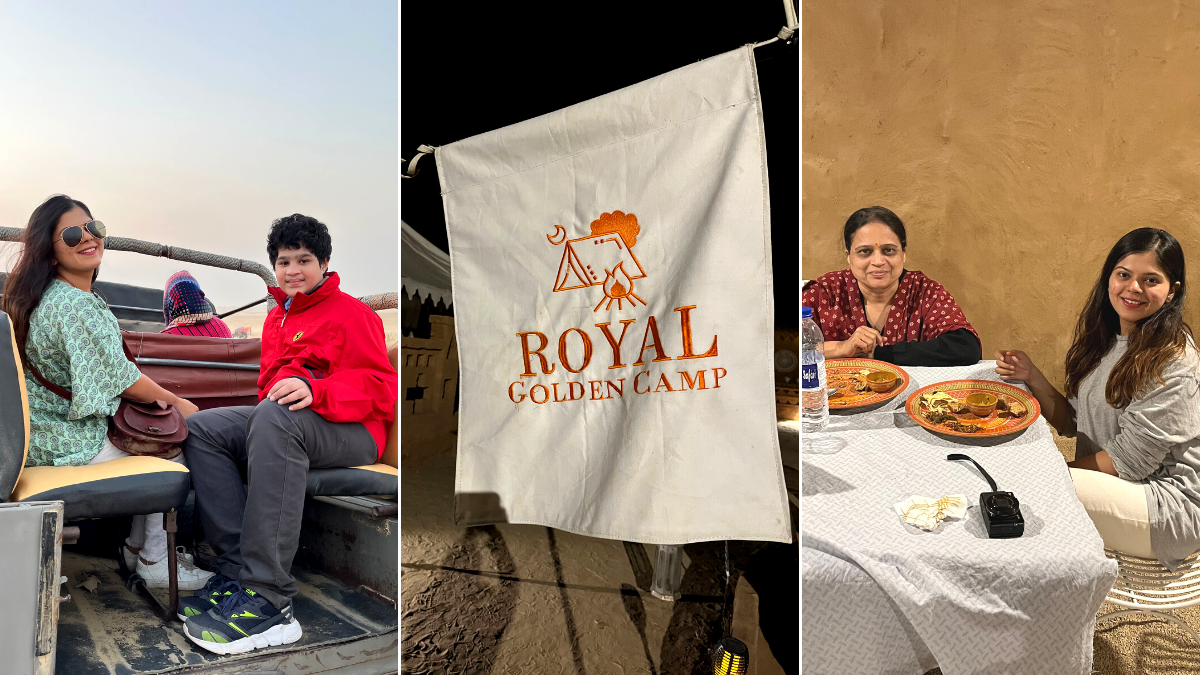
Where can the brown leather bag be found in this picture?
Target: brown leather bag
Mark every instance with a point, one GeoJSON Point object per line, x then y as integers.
{"type": "Point", "coordinates": [155, 429]}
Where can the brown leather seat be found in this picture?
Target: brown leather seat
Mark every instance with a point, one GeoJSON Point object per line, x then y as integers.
{"type": "Point", "coordinates": [206, 387]}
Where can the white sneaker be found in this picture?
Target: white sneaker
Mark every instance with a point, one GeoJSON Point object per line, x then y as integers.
{"type": "Point", "coordinates": [131, 558]}
{"type": "Point", "coordinates": [191, 578]}
{"type": "Point", "coordinates": [183, 556]}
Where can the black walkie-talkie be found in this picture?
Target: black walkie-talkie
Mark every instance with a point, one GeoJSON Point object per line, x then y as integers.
{"type": "Point", "coordinates": [1001, 510]}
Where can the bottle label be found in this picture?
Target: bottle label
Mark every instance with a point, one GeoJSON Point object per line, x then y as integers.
{"type": "Point", "coordinates": [809, 378]}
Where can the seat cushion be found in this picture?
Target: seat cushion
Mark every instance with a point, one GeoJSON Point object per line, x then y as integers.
{"type": "Point", "coordinates": [14, 412]}
{"type": "Point", "coordinates": [127, 486]}
{"type": "Point", "coordinates": [391, 451]}
{"type": "Point", "coordinates": [376, 479]}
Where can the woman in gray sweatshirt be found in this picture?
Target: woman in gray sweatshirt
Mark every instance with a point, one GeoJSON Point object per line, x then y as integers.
{"type": "Point", "coordinates": [1132, 401]}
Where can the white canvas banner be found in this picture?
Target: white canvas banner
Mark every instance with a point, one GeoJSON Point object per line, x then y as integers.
{"type": "Point", "coordinates": [613, 307]}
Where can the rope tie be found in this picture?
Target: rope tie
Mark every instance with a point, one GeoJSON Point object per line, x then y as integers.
{"type": "Point", "coordinates": [422, 150]}
{"type": "Point", "coordinates": [789, 28]}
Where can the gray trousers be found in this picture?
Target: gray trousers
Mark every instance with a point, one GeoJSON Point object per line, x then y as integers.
{"type": "Point", "coordinates": [255, 528]}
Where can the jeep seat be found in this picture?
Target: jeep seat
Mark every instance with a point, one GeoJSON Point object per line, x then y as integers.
{"type": "Point", "coordinates": [120, 487]}
{"type": "Point", "coordinates": [128, 486]}
{"type": "Point", "coordinates": [381, 478]}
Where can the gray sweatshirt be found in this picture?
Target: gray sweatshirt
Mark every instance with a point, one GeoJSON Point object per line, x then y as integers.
{"type": "Point", "coordinates": [1155, 440]}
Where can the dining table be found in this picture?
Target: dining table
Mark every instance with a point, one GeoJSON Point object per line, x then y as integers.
{"type": "Point", "coordinates": [882, 596]}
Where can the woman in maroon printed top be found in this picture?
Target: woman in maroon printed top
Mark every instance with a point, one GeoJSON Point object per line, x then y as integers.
{"type": "Point", "coordinates": [187, 311]}
{"type": "Point", "coordinates": [879, 310]}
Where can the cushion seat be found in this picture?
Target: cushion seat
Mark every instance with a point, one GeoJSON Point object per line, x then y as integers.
{"type": "Point", "coordinates": [375, 479]}
{"type": "Point", "coordinates": [125, 486]}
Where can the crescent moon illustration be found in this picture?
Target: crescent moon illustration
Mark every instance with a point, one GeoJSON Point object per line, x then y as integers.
{"type": "Point", "coordinates": [560, 233]}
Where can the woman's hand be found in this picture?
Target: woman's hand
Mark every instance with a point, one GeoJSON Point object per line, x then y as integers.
{"type": "Point", "coordinates": [145, 390]}
{"type": "Point", "coordinates": [838, 350]}
{"type": "Point", "coordinates": [1101, 461]}
{"type": "Point", "coordinates": [1015, 365]}
{"type": "Point", "coordinates": [186, 407]}
{"type": "Point", "coordinates": [861, 344]}
{"type": "Point", "coordinates": [291, 390]}
{"type": "Point", "coordinates": [864, 341]}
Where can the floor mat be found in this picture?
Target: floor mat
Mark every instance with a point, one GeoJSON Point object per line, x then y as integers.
{"type": "Point", "coordinates": [113, 630]}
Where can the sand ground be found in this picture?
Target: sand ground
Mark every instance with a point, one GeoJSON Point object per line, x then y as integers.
{"type": "Point", "coordinates": [509, 599]}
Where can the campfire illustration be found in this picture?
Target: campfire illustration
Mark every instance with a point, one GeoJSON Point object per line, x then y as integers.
{"type": "Point", "coordinates": [603, 258]}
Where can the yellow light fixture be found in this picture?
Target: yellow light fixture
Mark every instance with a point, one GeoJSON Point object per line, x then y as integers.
{"type": "Point", "coordinates": [731, 657]}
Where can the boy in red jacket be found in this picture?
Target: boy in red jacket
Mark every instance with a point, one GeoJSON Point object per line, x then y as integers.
{"type": "Point", "coordinates": [326, 395]}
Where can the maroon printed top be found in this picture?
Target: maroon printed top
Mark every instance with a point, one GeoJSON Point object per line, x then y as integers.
{"type": "Point", "coordinates": [922, 309]}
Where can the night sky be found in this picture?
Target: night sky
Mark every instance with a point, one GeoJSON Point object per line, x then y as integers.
{"type": "Point", "coordinates": [464, 72]}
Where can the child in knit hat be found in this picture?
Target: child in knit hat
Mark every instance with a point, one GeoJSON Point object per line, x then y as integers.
{"type": "Point", "coordinates": [187, 311]}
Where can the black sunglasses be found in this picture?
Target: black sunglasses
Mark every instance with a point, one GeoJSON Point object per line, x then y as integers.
{"type": "Point", "coordinates": [74, 234]}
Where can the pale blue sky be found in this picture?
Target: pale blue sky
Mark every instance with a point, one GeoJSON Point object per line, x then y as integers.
{"type": "Point", "coordinates": [196, 124]}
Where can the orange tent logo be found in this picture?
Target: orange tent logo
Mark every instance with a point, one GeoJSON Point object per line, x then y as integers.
{"type": "Point", "coordinates": [603, 258]}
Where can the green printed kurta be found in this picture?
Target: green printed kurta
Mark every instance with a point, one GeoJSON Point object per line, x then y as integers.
{"type": "Point", "coordinates": [75, 342]}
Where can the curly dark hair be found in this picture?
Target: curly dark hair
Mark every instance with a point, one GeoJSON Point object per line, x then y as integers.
{"type": "Point", "coordinates": [299, 231]}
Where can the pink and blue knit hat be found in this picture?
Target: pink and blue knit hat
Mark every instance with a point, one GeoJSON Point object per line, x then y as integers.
{"type": "Point", "coordinates": [184, 303]}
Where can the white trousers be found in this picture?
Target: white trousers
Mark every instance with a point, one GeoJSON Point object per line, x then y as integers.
{"type": "Point", "coordinates": [148, 533]}
{"type": "Point", "coordinates": [1118, 509]}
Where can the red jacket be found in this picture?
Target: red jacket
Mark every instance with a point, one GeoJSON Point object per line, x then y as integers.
{"type": "Point", "coordinates": [335, 343]}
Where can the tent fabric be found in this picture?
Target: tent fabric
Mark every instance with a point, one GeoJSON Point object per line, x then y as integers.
{"type": "Point", "coordinates": [640, 217]}
{"type": "Point", "coordinates": [424, 268]}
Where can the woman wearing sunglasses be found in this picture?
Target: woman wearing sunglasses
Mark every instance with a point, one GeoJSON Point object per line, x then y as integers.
{"type": "Point", "coordinates": [66, 332]}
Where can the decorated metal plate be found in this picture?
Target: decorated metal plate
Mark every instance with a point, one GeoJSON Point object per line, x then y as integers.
{"type": "Point", "coordinates": [943, 408]}
{"type": "Point", "coordinates": [849, 378]}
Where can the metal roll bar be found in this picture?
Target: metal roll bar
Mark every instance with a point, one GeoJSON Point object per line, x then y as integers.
{"type": "Point", "coordinates": [171, 252]}
{"type": "Point", "coordinates": [377, 302]}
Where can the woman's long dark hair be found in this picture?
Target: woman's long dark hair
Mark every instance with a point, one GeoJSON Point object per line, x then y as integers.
{"type": "Point", "coordinates": [35, 267]}
{"type": "Point", "coordinates": [1157, 339]}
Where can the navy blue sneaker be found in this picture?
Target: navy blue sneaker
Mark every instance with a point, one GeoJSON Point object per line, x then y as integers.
{"type": "Point", "coordinates": [217, 589]}
{"type": "Point", "coordinates": [242, 622]}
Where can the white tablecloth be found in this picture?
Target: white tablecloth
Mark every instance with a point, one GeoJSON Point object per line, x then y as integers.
{"type": "Point", "coordinates": [880, 596]}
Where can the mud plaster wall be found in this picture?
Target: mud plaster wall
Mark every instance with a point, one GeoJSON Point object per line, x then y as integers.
{"type": "Point", "coordinates": [1017, 140]}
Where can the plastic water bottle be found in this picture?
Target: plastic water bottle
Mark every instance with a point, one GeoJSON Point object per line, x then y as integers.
{"type": "Point", "coordinates": [814, 395]}
{"type": "Point", "coordinates": [668, 573]}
